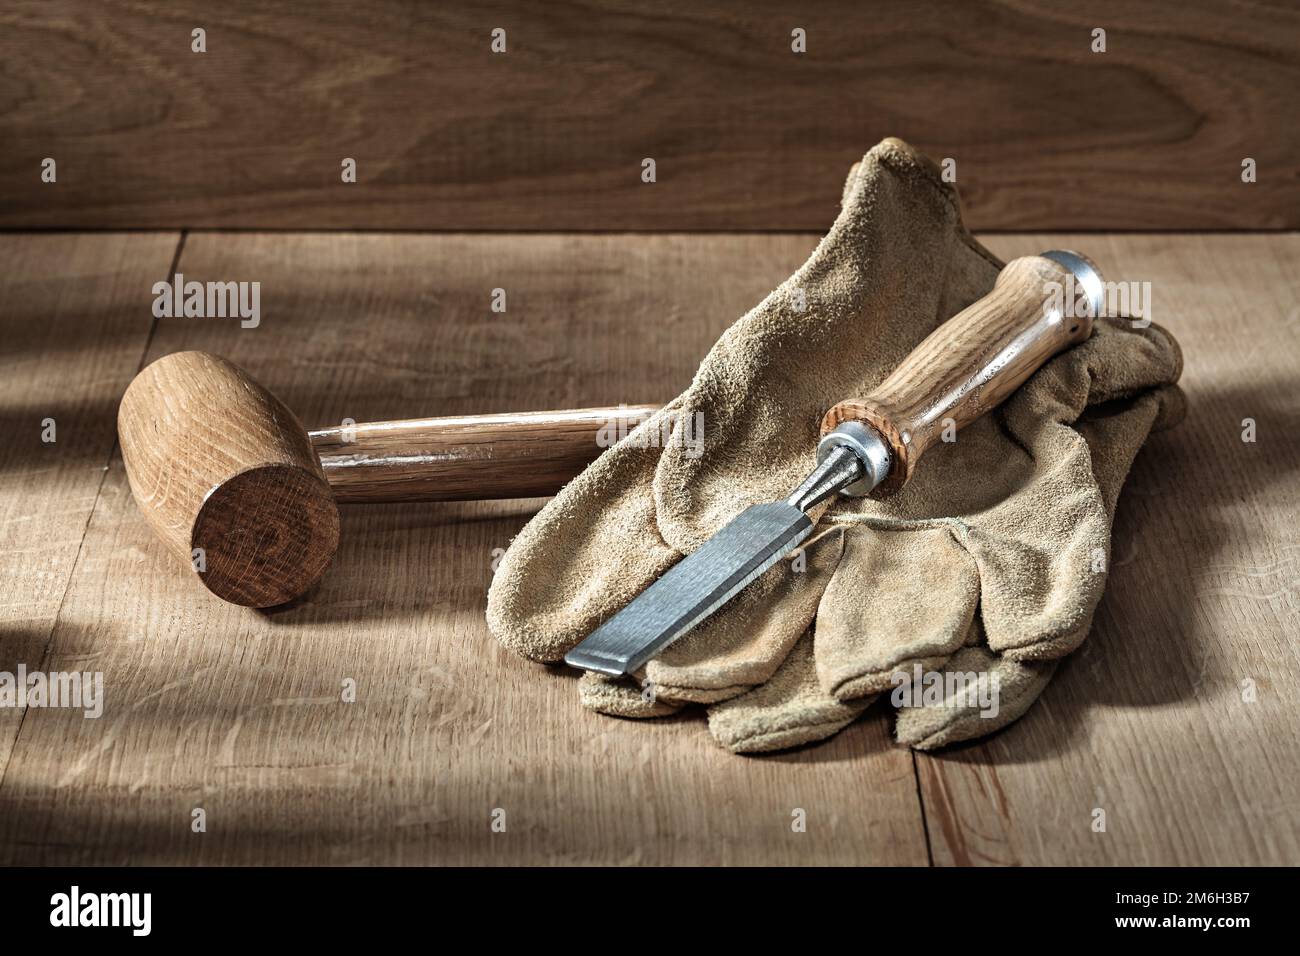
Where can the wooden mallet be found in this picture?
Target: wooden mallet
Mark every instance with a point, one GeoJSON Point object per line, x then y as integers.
{"type": "Point", "coordinates": [236, 486]}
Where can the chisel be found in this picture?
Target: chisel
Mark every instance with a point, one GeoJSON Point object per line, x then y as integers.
{"type": "Point", "coordinates": [1038, 307]}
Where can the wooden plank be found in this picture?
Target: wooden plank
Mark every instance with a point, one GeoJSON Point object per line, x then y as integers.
{"type": "Point", "coordinates": [1148, 720]}
{"type": "Point", "coordinates": [75, 315]}
{"type": "Point", "coordinates": [240, 713]}
{"type": "Point", "coordinates": [746, 134]}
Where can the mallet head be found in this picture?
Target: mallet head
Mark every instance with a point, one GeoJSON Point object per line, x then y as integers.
{"type": "Point", "coordinates": [228, 478]}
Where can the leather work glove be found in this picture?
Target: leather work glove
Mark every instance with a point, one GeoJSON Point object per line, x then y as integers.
{"type": "Point", "coordinates": [990, 561]}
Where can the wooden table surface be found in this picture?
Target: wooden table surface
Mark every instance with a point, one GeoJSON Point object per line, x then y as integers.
{"type": "Point", "coordinates": [1178, 717]}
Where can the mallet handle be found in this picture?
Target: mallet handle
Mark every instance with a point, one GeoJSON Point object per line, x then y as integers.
{"type": "Point", "coordinates": [511, 455]}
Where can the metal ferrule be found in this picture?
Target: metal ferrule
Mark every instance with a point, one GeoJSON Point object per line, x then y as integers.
{"type": "Point", "coordinates": [834, 472]}
{"type": "Point", "coordinates": [867, 447]}
{"type": "Point", "coordinates": [1086, 274]}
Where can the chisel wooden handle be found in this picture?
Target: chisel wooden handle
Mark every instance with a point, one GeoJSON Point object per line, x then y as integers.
{"type": "Point", "coordinates": [516, 455]}
{"type": "Point", "coordinates": [972, 362]}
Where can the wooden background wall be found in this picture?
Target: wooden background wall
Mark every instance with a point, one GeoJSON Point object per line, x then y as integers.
{"type": "Point", "coordinates": [746, 134]}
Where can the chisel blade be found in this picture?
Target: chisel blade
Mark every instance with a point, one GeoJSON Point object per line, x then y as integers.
{"type": "Point", "coordinates": [693, 589]}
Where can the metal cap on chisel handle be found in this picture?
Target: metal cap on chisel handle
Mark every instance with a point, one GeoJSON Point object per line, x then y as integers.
{"type": "Point", "coordinates": [870, 445]}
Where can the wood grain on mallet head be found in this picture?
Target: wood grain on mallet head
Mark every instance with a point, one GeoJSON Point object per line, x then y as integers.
{"type": "Point", "coordinates": [227, 477]}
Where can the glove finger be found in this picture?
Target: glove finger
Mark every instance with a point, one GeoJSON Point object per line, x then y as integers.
{"type": "Point", "coordinates": [1124, 361]}
{"type": "Point", "coordinates": [1042, 551]}
{"type": "Point", "coordinates": [905, 593]}
{"type": "Point", "coordinates": [1115, 436]}
{"type": "Point", "coordinates": [621, 697]}
{"type": "Point", "coordinates": [744, 643]}
{"type": "Point", "coordinates": [1043, 561]}
{"type": "Point", "coordinates": [1173, 408]}
{"type": "Point", "coordinates": [982, 692]}
{"type": "Point", "coordinates": [588, 552]}
{"type": "Point", "coordinates": [1117, 362]}
{"type": "Point", "coordinates": [788, 710]}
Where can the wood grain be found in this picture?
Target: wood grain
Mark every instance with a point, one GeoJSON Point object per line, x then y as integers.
{"type": "Point", "coordinates": [1147, 720]}
{"type": "Point", "coordinates": [227, 478]}
{"type": "Point", "coordinates": [241, 713]}
{"type": "Point", "coordinates": [239, 491]}
{"type": "Point", "coordinates": [968, 366]}
{"type": "Point", "coordinates": [551, 135]}
{"type": "Point", "coordinates": [471, 457]}
{"type": "Point", "coordinates": [74, 320]}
